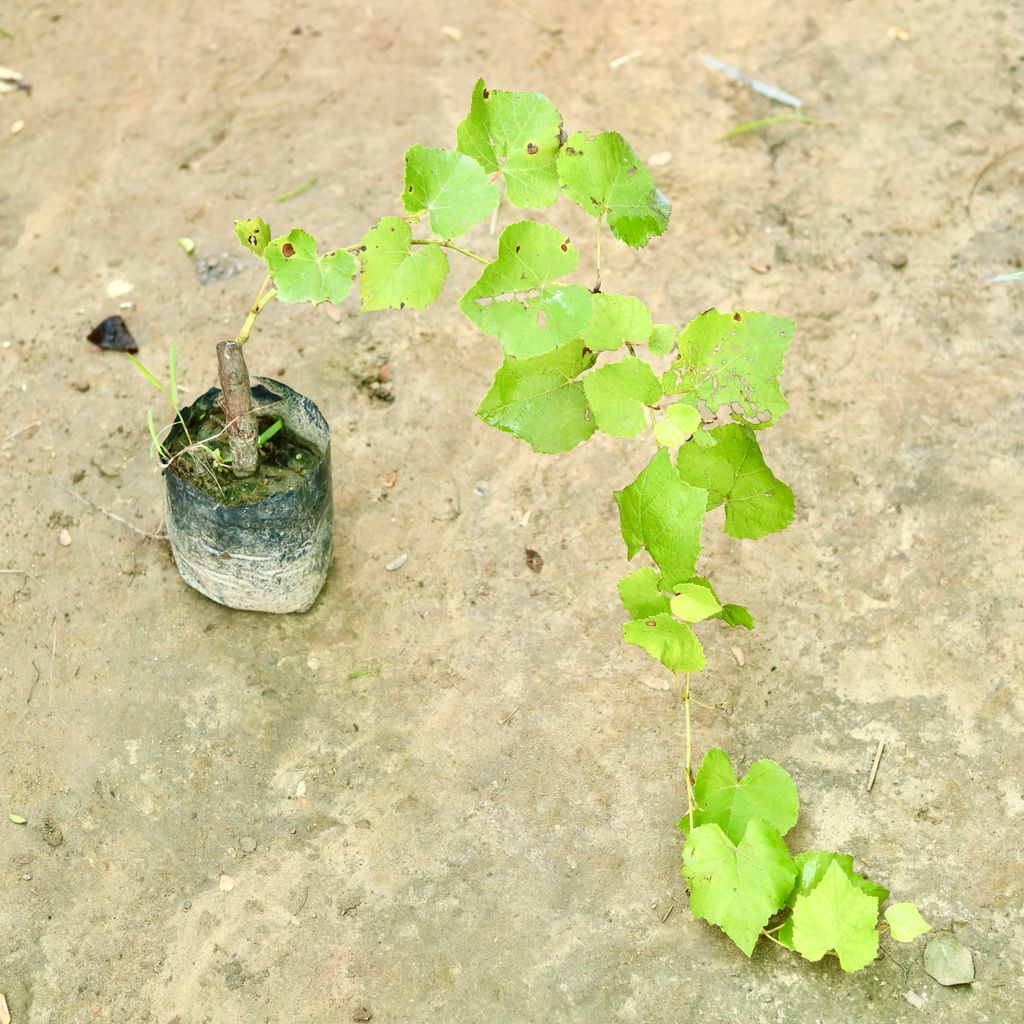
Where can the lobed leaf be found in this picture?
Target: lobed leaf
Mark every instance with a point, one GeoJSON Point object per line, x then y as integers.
{"type": "Point", "coordinates": [734, 471]}
{"type": "Point", "coordinates": [619, 395]}
{"type": "Point", "coordinates": [452, 187]}
{"type": "Point", "coordinates": [617, 319]}
{"type": "Point", "coordinates": [680, 423]}
{"type": "Point", "coordinates": [662, 513]}
{"type": "Point", "coordinates": [540, 399]}
{"type": "Point", "coordinates": [517, 135]}
{"type": "Point", "coordinates": [727, 358]}
{"type": "Point", "coordinates": [673, 643]}
{"type": "Point", "coordinates": [518, 297]}
{"type": "Point", "coordinates": [604, 175]}
{"type": "Point", "coordinates": [641, 594]}
{"type": "Point", "coordinates": [300, 275]}
{"type": "Point", "coordinates": [738, 886]}
{"type": "Point", "coordinates": [394, 274]}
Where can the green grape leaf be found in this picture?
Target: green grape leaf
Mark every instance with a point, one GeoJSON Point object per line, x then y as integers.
{"type": "Point", "coordinates": [736, 359]}
{"type": "Point", "coordinates": [302, 276]}
{"type": "Point", "coordinates": [738, 887]}
{"type": "Point", "coordinates": [618, 395]}
{"type": "Point", "coordinates": [603, 175]}
{"type": "Point", "coordinates": [766, 793]}
{"type": "Point", "coordinates": [734, 471]}
{"type": "Point", "coordinates": [254, 234]}
{"type": "Point", "coordinates": [737, 615]}
{"type": "Point", "coordinates": [394, 273]}
{"type": "Point", "coordinates": [641, 594]}
{"type": "Point", "coordinates": [540, 400]}
{"type": "Point", "coordinates": [518, 298]}
{"type": "Point", "coordinates": [906, 922]}
{"type": "Point", "coordinates": [516, 134]}
{"type": "Point", "coordinates": [451, 186]}
{"type": "Point", "coordinates": [662, 339]}
{"type": "Point", "coordinates": [616, 319]}
{"type": "Point", "coordinates": [704, 439]}
{"type": "Point", "coordinates": [663, 514]}
{"type": "Point", "coordinates": [836, 916]}
{"type": "Point", "coordinates": [680, 422]}
{"type": "Point", "coordinates": [673, 643]}
{"type": "Point", "coordinates": [694, 603]}
{"type": "Point", "coordinates": [811, 866]}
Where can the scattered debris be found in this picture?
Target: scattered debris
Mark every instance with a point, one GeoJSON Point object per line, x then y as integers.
{"type": "Point", "coordinates": [656, 684]}
{"type": "Point", "coordinates": [112, 335]}
{"type": "Point", "coordinates": [389, 480]}
{"type": "Point", "coordinates": [18, 819]}
{"type": "Point", "coordinates": [512, 714]}
{"type": "Point", "coordinates": [227, 883]}
{"type": "Point", "coordinates": [451, 32]}
{"type": "Point", "coordinates": [17, 127]}
{"type": "Point", "coordinates": [534, 561]}
{"type": "Point", "coordinates": [52, 834]}
{"type": "Point", "coordinates": [397, 562]}
{"type": "Point", "coordinates": [217, 267]}
{"type": "Point", "coordinates": [916, 1001]}
{"type": "Point", "coordinates": [332, 311]}
{"type": "Point", "coordinates": [874, 766]}
{"type": "Point", "coordinates": [659, 159]}
{"type": "Point", "coordinates": [1017, 275]}
{"type": "Point", "coordinates": [771, 91]}
{"type": "Point", "coordinates": [625, 59]}
{"type": "Point", "coordinates": [760, 268]}
{"type": "Point", "coordinates": [187, 246]}
{"type": "Point", "coordinates": [895, 32]}
{"type": "Point", "coordinates": [668, 913]}
{"type": "Point", "coordinates": [5, 1013]}
{"type": "Point", "coordinates": [480, 490]}
{"type": "Point", "coordinates": [738, 655]}
{"type": "Point", "coordinates": [64, 538]}
{"type": "Point", "coordinates": [376, 383]}
{"type": "Point", "coordinates": [526, 517]}
{"type": "Point", "coordinates": [247, 845]}
{"type": "Point", "coordinates": [949, 961]}
{"type": "Point", "coordinates": [11, 80]}
{"type": "Point", "coordinates": [117, 288]}
{"type": "Point", "coordinates": [362, 1015]}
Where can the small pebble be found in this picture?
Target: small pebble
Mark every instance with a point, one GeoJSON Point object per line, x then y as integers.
{"type": "Point", "coordinates": [227, 883]}
{"type": "Point", "coordinates": [118, 288]}
{"type": "Point", "coordinates": [397, 562]}
{"type": "Point", "coordinates": [898, 261]}
{"type": "Point", "coordinates": [17, 127]}
{"type": "Point", "coordinates": [247, 844]}
{"type": "Point", "coordinates": [451, 32]}
{"type": "Point", "coordinates": [64, 538]}
{"type": "Point", "coordinates": [187, 905]}
{"type": "Point", "coordinates": [659, 159]}
{"type": "Point", "coordinates": [738, 655]}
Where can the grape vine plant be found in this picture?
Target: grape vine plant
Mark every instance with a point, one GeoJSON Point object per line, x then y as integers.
{"type": "Point", "coordinates": [579, 359]}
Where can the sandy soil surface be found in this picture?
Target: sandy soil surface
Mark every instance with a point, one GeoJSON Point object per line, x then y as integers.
{"type": "Point", "coordinates": [449, 792]}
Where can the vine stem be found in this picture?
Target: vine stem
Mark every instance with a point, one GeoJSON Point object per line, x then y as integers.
{"type": "Point", "coordinates": [451, 245]}
{"type": "Point", "coordinates": [685, 694]}
{"type": "Point", "coordinates": [771, 938]}
{"type": "Point", "coordinates": [262, 298]}
{"type": "Point", "coordinates": [600, 222]}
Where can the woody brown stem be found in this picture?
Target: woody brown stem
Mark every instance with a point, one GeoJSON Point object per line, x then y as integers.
{"type": "Point", "coordinates": [236, 401]}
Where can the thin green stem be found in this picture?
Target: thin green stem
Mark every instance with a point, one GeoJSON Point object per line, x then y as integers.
{"type": "Point", "coordinates": [690, 802]}
{"type": "Point", "coordinates": [450, 245]}
{"type": "Point", "coordinates": [600, 222]}
{"type": "Point", "coordinates": [771, 938]}
{"type": "Point", "coordinates": [262, 298]}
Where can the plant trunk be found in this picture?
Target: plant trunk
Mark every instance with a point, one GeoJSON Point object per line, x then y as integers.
{"type": "Point", "coordinates": [236, 402]}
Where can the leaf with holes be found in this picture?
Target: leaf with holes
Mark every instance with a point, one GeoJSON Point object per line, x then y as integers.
{"type": "Point", "coordinates": [300, 275]}
{"type": "Point", "coordinates": [617, 319]}
{"type": "Point", "coordinates": [727, 358]}
{"type": "Point", "coordinates": [516, 134]}
{"type": "Point", "coordinates": [766, 793]}
{"type": "Point", "coordinates": [254, 234]}
{"type": "Point", "coordinates": [738, 886]}
{"type": "Point", "coordinates": [641, 594]}
{"type": "Point", "coordinates": [452, 187]}
{"type": "Point", "coordinates": [394, 273]}
{"type": "Point", "coordinates": [673, 643]}
{"type": "Point", "coordinates": [541, 401]}
{"type": "Point", "coordinates": [836, 916]}
{"type": "Point", "coordinates": [663, 514]}
{"type": "Point", "coordinates": [734, 471]}
{"type": "Point", "coordinates": [604, 176]}
{"type": "Point", "coordinates": [619, 395]}
{"type": "Point", "coordinates": [519, 297]}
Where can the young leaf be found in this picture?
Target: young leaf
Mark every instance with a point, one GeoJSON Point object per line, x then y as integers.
{"type": "Point", "coordinates": [811, 866]}
{"type": "Point", "coordinates": [17, 819]}
{"type": "Point", "coordinates": [662, 339]}
{"type": "Point", "coordinates": [673, 643]}
{"type": "Point", "coordinates": [254, 234]}
{"type": "Point", "coordinates": [641, 594]}
{"type": "Point", "coordinates": [736, 358]}
{"type": "Point", "coordinates": [661, 513]}
{"type": "Point", "coordinates": [734, 471]}
{"type": "Point", "coordinates": [680, 422]}
{"type": "Point", "coordinates": [766, 793]}
{"type": "Point", "coordinates": [906, 922]}
{"type": "Point", "coordinates": [737, 615]}
{"type": "Point", "coordinates": [518, 298]}
{"type": "Point", "coordinates": [617, 319]}
{"type": "Point", "coordinates": [451, 186]}
{"type": "Point", "coordinates": [603, 175]}
{"type": "Point", "coordinates": [836, 916]}
{"type": "Point", "coordinates": [517, 134]}
{"type": "Point", "coordinates": [694, 603]}
{"type": "Point", "coordinates": [738, 887]}
{"type": "Point", "coordinates": [540, 400]}
{"type": "Point", "coordinates": [394, 273]}
{"type": "Point", "coordinates": [618, 395]}
{"type": "Point", "coordinates": [300, 275]}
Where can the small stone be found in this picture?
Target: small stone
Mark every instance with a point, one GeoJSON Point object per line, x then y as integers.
{"type": "Point", "coordinates": [118, 288]}
{"type": "Point", "coordinates": [187, 905]}
{"type": "Point", "coordinates": [659, 159]}
{"type": "Point", "coordinates": [451, 32]}
{"type": "Point", "coordinates": [738, 655]}
{"type": "Point", "coordinates": [247, 844]}
{"type": "Point", "coordinates": [898, 260]}
{"type": "Point", "coordinates": [397, 562]}
{"type": "Point", "coordinates": [17, 127]}
{"type": "Point", "coordinates": [64, 538]}
{"type": "Point", "coordinates": [227, 883]}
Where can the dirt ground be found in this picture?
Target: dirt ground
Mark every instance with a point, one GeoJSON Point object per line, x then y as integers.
{"type": "Point", "coordinates": [449, 793]}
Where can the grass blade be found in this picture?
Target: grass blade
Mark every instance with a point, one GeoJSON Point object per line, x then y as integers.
{"type": "Point", "coordinates": [174, 376]}
{"type": "Point", "coordinates": [764, 122]}
{"type": "Point", "coordinates": [269, 433]}
{"type": "Point", "coordinates": [1017, 275]}
{"type": "Point", "coordinates": [296, 192]}
{"type": "Point", "coordinates": [145, 373]}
